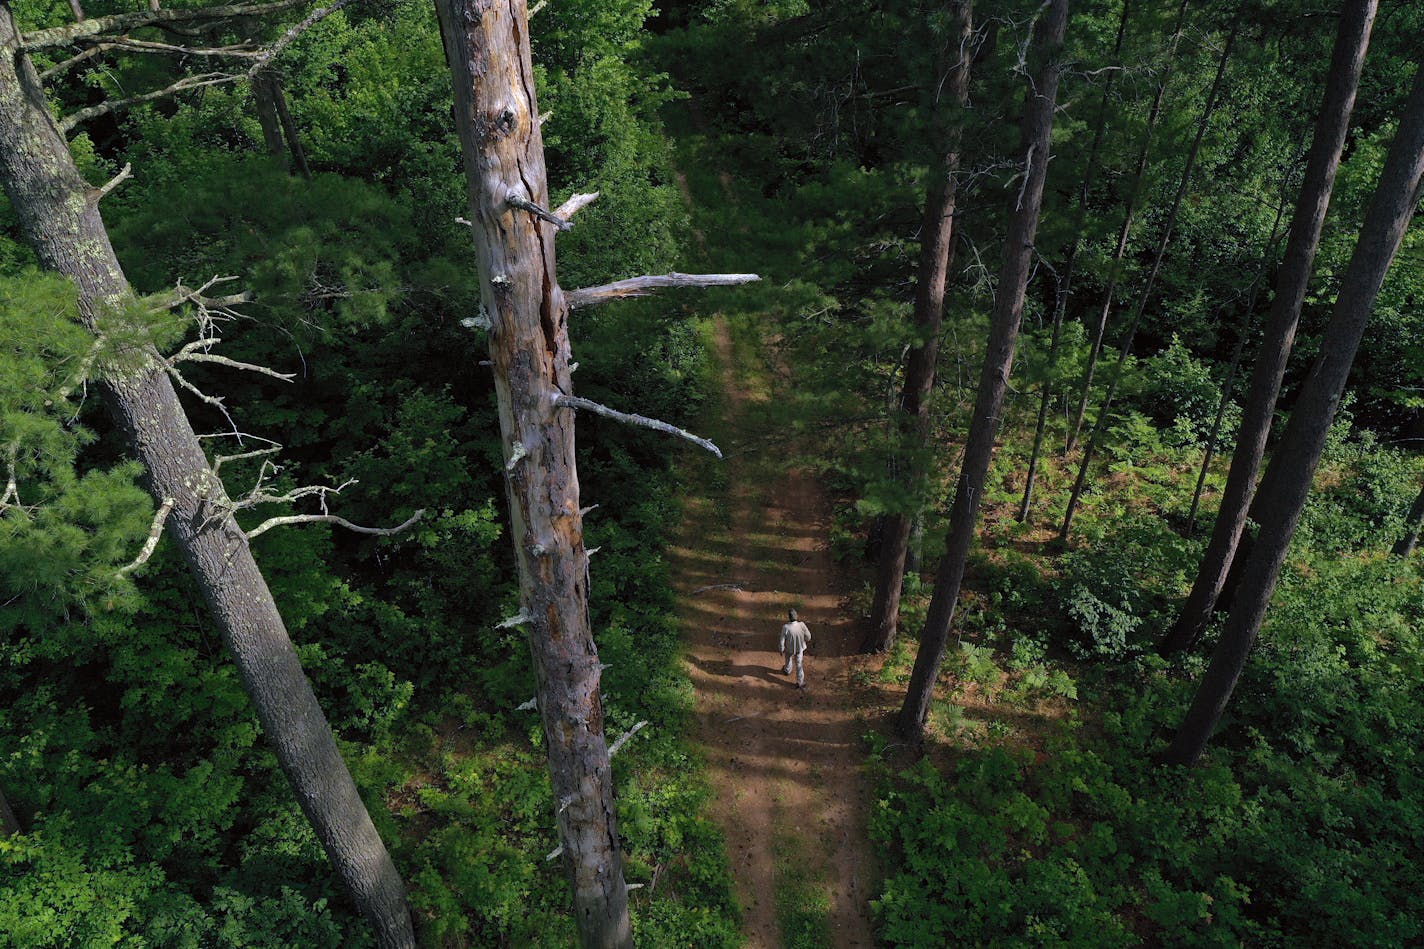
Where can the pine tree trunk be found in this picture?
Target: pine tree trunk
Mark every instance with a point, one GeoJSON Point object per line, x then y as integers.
{"type": "Point", "coordinates": [912, 417]}
{"type": "Point", "coordinates": [265, 101]}
{"type": "Point", "coordinates": [1395, 202]}
{"type": "Point", "coordinates": [289, 130]}
{"type": "Point", "coordinates": [59, 215]}
{"type": "Point", "coordinates": [1412, 524]}
{"type": "Point", "coordinates": [1100, 425]}
{"type": "Point", "coordinates": [496, 116]}
{"type": "Point", "coordinates": [1064, 284]}
{"type": "Point", "coordinates": [1075, 427]}
{"type": "Point", "coordinates": [9, 823]}
{"type": "Point", "coordinates": [998, 361]}
{"type": "Point", "coordinates": [1352, 39]}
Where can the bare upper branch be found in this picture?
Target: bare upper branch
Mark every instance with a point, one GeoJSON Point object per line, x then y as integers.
{"type": "Point", "coordinates": [642, 421]}
{"type": "Point", "coordinates": [333, 519]}
{"type": "Point", "coordinates": [155, 531]}
{"type": "Point", "coordinates": [642, 286]}
{"type": "Point", "coordinates": [121, 23]}
{"type": "Point", "coordinates": [118, 105]}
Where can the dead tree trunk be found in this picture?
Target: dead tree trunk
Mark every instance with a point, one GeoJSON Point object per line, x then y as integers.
{"type": "Point", "coordinates": [998, 361]}
{"type": "Point", "coordinates": [1075, 426]}
{"type": "Point", "coordinates": [1063, 285]}
{"type": "Point", "coordinates": [912, 416]}
{"type": "Point", "coordinates": [1100, 425]}
{"type": "Point", "coordinates": [1395, 201]}
{"type": "Point", "coordinates": [1352, 39]}
{"type": "Point", "coordinates": [59, 215]}
{"type": "Point", "coordinates": [1412, 524]}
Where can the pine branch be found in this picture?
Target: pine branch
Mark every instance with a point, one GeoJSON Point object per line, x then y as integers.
{"type": "Point", "coordinates": [642, 286]}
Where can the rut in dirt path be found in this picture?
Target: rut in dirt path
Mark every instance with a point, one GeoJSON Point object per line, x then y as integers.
{"type": "Point", "coordinates": [785, 765]}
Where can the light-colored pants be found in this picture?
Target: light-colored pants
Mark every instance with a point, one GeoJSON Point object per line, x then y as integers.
{"type": "Point", "coordinates": [800, 671]}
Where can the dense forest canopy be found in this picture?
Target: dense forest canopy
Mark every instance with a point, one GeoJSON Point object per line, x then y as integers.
{"type": "Point", "coordinates": [1035, 279]}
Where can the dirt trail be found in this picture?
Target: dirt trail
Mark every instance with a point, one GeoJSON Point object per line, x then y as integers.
{"type": "Point", "coordinates": [785, 765]}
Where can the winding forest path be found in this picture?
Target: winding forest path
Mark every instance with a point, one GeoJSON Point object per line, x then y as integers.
{"type": "Point", "coordinates": [785, 765]}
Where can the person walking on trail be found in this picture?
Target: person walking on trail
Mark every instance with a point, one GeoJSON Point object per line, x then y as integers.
{"type": "Point", "coordinates": [795, 637]}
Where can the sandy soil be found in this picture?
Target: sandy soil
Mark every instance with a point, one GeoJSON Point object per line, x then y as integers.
{"type": "Point", "coordinates": [785, 765]}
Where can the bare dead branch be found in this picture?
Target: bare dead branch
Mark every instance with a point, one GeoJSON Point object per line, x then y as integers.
{"type": "Point", "coordinates": [617, 746]}
{"type": "Point", "coordinates": [198, 351]}
{"type": "Point", "coordinates": [537, 7]}
{"type": "Point", "coordinates": [124, 174]}
{"type": "Point", "coordinates": [642, 286]}
{"type": "Point", "coordinates": [515, 200]}
{"type": "Point", "coordinates": [235, 51]}
{"type": "Point", "coordinates": [575, 204]}
{"type": "Point", "coordinates": [574, 402]}
{"type": "Point", "coordinates": [155, 531]}
{"type": "Point", "coordinates": [68, 123]}
{"type": "Point", "coordinates": [333, 519]}
{"type": "Point", "coordinates": [64, 66]}
{"type": "Point", "coordinates": [124, 22]}
{"type": "Point", "coordinates": [220, 460]}
{"type": "Point", "coordinates": [286, 39]}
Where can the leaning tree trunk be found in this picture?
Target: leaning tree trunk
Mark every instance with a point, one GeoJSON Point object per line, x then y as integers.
{"type": "Point", "coordinates": [998, 361]}
{"type": "Point", "coordinates": [1352, 39]}
{"type": "Point", "coordinates": [59, 215]}
{"type": "Point", "coordinates": [1293, 465]}
{"type": "Point", "coordinates": [264, 99]}
{"type": "Point", "coordinates": [1100, 425]}
{"type": "Point", "coordinates": [1063, 288]}
{"type": "Point", "coordinates": [912, 417]}
{"type": "Point", "coordinates": [1075, 426]}
{"type": "Point", "coordinates": [1412, 524]}
{"type": "Point", "coordinates": [487, 46]}
{"type": "Point", "coordinates": [289, 129]}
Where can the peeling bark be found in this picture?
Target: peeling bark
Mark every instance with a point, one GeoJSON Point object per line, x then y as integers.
{"type": "Point", "coordinates": [496, 116]}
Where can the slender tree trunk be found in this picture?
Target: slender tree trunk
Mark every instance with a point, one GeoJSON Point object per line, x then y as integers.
{"type": "Point", "coordinates": [59, 215]}
{"type": "Point", "coordinates": [1100, 425]}
{"type": "Point", "coordinates": [1075, 426]}
{"type": "Point", "coordinates": [1064, 283]}
{"type": "Point", "coordinates": [1412, 524]}
{"type": "Point", "coordinates": [265, 99]}
{"type": "Point", "coordinates": [496, 116]}
{"type": "Point", "coordinates": [289, 130]}
{"type": "Point", "coordinates": [1395, 202]}
{"type": "Point", "coordinates": [998, 361]}
{"type": "Point", "coordinates": [1352, 39]}
{"type": "Point", "coordinates": [9, 823]}
{"type": "Point", "coordinates": [912, 417]}
{"type": "Point", "coordinates": [1228, 386]}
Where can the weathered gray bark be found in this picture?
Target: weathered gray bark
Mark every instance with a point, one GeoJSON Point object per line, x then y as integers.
{"type": "Point", "coordinates": [1100, 425]}
{"type": "Point", "coordinates": [59, 215]}
{"type": "Point", "coordinates": [1075, 426]}
{"type": "Point", "coordinates": [1352, 40]}
{"type": "Point", "coordinates": [911, 419]}
{"type": "Point", "coordinates": [1412, 524]}
{"type": "Point", "coordinates": [1292, 468]}
{"type": "Point", "coordinates": [1014, 272]}
{"type": "Point", "coordinates": [487, 47]}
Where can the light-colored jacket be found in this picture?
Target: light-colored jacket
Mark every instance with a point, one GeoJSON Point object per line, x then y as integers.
{"type": "Point", "coordinates": [795, 637]}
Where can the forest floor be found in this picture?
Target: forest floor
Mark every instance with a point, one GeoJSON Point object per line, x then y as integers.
{"type": "Point", "coordinates": [786, 766]}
